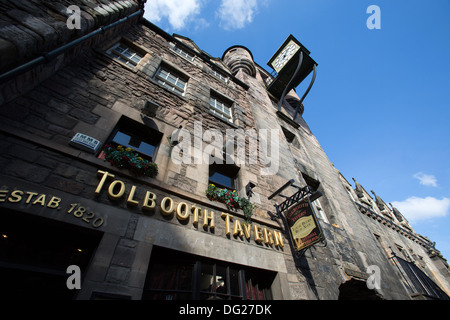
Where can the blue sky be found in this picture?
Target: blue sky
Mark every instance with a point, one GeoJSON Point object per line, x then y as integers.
{"type": "Point", "coordinates": [380, 106]}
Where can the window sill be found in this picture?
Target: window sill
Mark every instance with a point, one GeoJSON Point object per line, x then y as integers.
{"type": "Point", "coordinates": [153, 81]}
{"type": "Point", "coordinates": [183, 57]}
{"type": "Point", "coordinates": [288, 120]}
{"type": "Point", "coordinates": [223, 120]}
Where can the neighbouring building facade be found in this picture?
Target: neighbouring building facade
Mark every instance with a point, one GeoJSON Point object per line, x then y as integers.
{"type": "Point", "coordinates": [115, 159]}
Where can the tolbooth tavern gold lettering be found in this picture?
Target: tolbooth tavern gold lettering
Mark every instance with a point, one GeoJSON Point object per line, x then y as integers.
{"type": "Point", "coordinates": [117, 189]}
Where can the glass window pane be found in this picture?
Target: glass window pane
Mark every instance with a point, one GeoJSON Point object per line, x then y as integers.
{"type": "Point", "coordinates": [172, 79]}
{"type": "Point", "coordinates": [260, 294]}
{"type": "Point", "coordinates": [121, 48]}
{"type": "Point", "coordinates": [185, 278]}
{"type": "Point", "coordinates": [181, 84]}
{"type": "Point", "coordinates": [146, 148]}
{"type": "Point", "coordinates": [163, 73]}
{"type": "Point", "coordinates": [248, 289]}
{"type": "Point", "coordinates": [163, 277]}
{"type": "Point", "coordinates": [171, 273]}
{"type": "Point", "coordinates": [121, 138]}
{"type": "Point", "coordinates": [254, 292]}
{"type": "Point", "coordinates": [223, 109]}
{"type": "Point", "coordinates": [222, 179]}
{"type": "Point", "coordinates": [127, 53]}
{"type": "Point", "coordinates": [221, 279]}
{"type": "Point", "coordinates": [206, 278]}
{"type": "Point", "coordinates": [135, 143]}
{"type": "Point", "coordinates": [136, 58]}
{"type": "Point", "coordinates": [234, 282]}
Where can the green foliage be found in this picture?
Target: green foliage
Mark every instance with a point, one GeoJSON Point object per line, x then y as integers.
{"type": "Point", "coordinates": [231, 199]}
{"type": "Point", "coordinates": [128, 158]}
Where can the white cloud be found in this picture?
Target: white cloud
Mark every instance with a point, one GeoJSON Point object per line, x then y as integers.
{"type": "Point", "coordinates": [236, 14]}
{"type": "Point", "coordinates": [415, 208]}
{"type": "Point", "coordinates": [426, 179]}
{"type": "Point", "coordinates": [178, 12]}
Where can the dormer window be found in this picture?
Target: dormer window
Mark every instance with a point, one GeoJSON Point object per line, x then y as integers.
{"type": "Point", "coordinates": [125, 54]}
{"type": "Point", "coordinates": [185, 54]}
{"type": "Point", "coordinates": [218, 75]}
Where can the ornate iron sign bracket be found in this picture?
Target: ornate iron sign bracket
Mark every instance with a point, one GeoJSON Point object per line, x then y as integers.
{"type": "Point", "coordinates": [300, 223]}
{"type": "Point", "coordinates": [295, 198]}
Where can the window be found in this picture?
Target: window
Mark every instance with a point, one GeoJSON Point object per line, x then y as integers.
{"type": "Point", "coordinates": [33, 263]}
{"type": "Point", "coordinates": [318, 208]}
{"type": "Point", "coordinates": [137, 136]}
{"type": "Point", "coordinates": [186, 55]}
{"type": "Point", "coordinates": [171, 80]}
{"type": "Point", "coordinates": [418, 283]}
{"type": "Point", "coordinates": [221, 108]}
{"type": "Point", "coordinates": [223, 175]}
{"type": "Point", "coordinates": [290, 137]}
{"type": "Point", "coordinates": [218, 75]}
{"type": "Point", "coordinates": [174, 275]}
{"type": "Point", "coordinates": [125, 54]}
{"type": "Point", "coordinates": [403, 252]}
{"type": "Point", "coordinates": [256, 286]}
{"type": "Point", "coordinates": [383, 246]}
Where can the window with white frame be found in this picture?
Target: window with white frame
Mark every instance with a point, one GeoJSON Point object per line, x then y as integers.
{"type": "Point", "coordinates": [185, 54]}
{"type": "Point", "coordinates": [125, 54]}
{"type": "Point", "coordinates": [171, 80]}
{"type": "Point", "coordinates": [218, 75]}
{"type": "Point", "coordinates": [318, 207]}
{"type": "Point", "coordinates": [221, 108]}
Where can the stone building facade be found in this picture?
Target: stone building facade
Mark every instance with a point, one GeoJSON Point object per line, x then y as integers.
{"type": "Point", "coordinates": [129, 84]}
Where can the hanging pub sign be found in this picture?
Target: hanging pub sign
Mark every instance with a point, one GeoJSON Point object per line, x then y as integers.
{"type": "Point", "coordinates": [303, 226]}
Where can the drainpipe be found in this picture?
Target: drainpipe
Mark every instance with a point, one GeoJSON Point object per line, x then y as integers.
{"type": "Point", "coordinates": [47, 57]}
